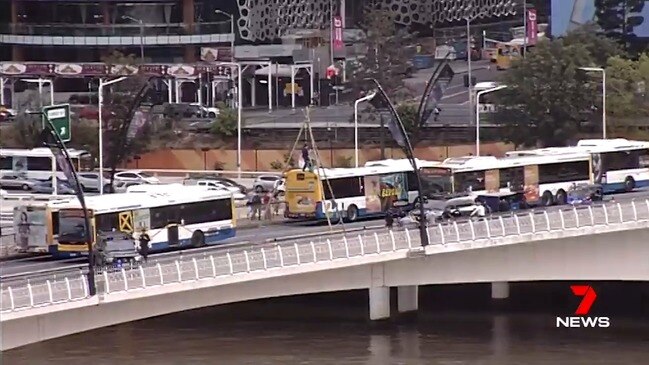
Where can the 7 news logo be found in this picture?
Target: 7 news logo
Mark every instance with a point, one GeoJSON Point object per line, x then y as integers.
{"type": "Point", "coordinates": [581, 319]}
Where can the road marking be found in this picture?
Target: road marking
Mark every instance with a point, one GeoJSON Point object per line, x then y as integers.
{"type": "Point", "coordinates": [454, 95]}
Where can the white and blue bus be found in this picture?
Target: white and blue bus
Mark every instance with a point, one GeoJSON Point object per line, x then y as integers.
{"type": "Point", "coordinates": [616, 164]}
{"type": "Point", "coordinates": [183, 218]}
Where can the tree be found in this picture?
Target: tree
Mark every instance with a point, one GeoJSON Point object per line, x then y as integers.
{"type": "Point", "coordinates": [599, 47]}
{"type": "Point", "coordinates": [547, 97]}
{"type": "Point", "coordinates": [410, 119]}
{"type": "Point", "coordinates": [386, 51]}
{"type": "Point", "coordinates": [626, 80]}
{"type": "Point", "coordinates": [225, 124]}
{"type": "Point", "coordinates": [618, 18]}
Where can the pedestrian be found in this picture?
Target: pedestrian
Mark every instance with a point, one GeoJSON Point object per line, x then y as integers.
{"type": "Point", "coordinates": [436, 112]}
{"type": "Point", "coordinates": [144, 240]}
{"type": "Point", "coordinates": [389, 219]}
{"type": "Point", "coordinates": [480, 211]}
{"type": "Point", "coordinates": [256, 206]}
{"type": "Point", "coordinates": [305, 157]}
{"type": "Point", "coordinates": [266, 204]}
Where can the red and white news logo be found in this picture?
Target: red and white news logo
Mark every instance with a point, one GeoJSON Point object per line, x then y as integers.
{"type": "Point", "coordinates": [582, 319]}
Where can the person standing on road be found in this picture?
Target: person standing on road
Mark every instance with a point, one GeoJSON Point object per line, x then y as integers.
{"type": "Point", "coordinates": [305, 157]}
{"type": "Point", "coordinates": [144, 240]}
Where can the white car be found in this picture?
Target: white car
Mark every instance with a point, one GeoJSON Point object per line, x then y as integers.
{"type": "Point", "coordinates": [236, 194]}
{"type": "Point", "coordinates": [136, 176]}
{"type": "Point", "coordinates": [90, 181]}
{"type": "Point", "coordinates": [208, 111]}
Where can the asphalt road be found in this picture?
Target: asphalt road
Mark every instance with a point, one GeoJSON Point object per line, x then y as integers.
{"type": "Point", "coordinates": [259, 235]}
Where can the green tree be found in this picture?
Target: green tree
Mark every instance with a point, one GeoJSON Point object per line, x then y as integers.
{"type": "Point", "coordinates": [547, 97]}
{"type": "Point", "coordinates": [600, 48]}
{"type": "Point", "coordinates": [618, 18]}
{"type": "Point", "coordinates": [225, 124]}
{"type": "Point", "coordinates": [387, 51]}
{"type": "Point", "coordinates": [626, 90]}
{"type": "Point", "coordinates": [410, 119]}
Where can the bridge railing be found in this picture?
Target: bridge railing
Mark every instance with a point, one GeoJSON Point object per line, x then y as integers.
{"type": "Point", "coordinates": [235, 262]}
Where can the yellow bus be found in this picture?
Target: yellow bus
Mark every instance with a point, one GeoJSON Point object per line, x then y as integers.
{"type": "Point", "coordinates": [351, 193]}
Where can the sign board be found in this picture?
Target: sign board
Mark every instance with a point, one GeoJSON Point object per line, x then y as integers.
{"type": "Point", "coordinates": [59, 116]}
{"type": "Point", "coordinates": [532, 27]}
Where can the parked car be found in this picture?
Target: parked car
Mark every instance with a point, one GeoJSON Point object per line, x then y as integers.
{"type": "Point", "coordinates": [136, 176]}
{"type": "Point", "coordinates": [6, 114]}
{"type": "Point", "coordinates": [206, 111]}
{"type": "Point", "coordinates": [441, 209]}
{"type": "Point", "coordinates": [90, 181]}
{"type": "Point", "coordinates": [10, 181]}
{"type": "Point", "coordinates": [211, 185]}
{"type": "Point", "coordinates": [220, 185]}
{"type": "Point", "coordinates": [46, 187]}
{"type": "Point", "coordinates": [265, 183]}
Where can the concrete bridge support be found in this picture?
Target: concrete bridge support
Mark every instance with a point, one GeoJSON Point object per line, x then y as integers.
{"type": "Point", "coordinates": [379, 303]}
{"type": "Point", "coordinates": [500, 290]}
{"type": "Point", "coordinates": [407, 298]}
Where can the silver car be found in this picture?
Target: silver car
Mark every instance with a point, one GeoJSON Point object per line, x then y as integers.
{"type": "Point", "coordinates": [265, 183]}
{"type": "Point", "coordinates": [90, 181]}
{"type": "Point", "coordinates": [16, 182]}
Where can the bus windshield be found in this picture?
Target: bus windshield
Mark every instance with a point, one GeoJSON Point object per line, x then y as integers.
{"type": "Point", "coordinates": [72, 226]}
{"type": "Point", "coordinates": [85, 163]}
{"type": "Point", "coordinates": [436, 180]}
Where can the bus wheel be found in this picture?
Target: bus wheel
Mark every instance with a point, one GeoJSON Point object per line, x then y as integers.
{"type": "Point", "coordinates": [629, 184]}
{"type": "Point", "coordinates": [562, 197]}
{"type": "Point", "coordinates": [352, 213]}
{"type": "Point", "coordinates": [546, 199]}
{"type": "Point", "coordinates": [198, 239]}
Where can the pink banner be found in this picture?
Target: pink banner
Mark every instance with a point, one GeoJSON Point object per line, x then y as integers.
{"type": "Point", "coordinates": [337, 36]}
{"type": "Point", "coordinates": [532, 27]}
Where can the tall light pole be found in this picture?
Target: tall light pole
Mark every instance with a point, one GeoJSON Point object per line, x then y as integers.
{"type": "Point", "coordinates": [358, 101]}
{"type": "Point", "coordinates": [603, 71]}
{"type": "Point", "coordinates": [128, 17]}
{"type": "Point", "coordinates": [217, 11]}
{"type": "Point", "coordinates": [100, 91]}
{"type": "Point", "coordinates": [477, 114]}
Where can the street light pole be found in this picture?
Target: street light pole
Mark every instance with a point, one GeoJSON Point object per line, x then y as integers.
{"type": "Point", "coordinates": [477, 114]}
{"type": "Point", "coordinates": [603, 71]}
{"type": "Point", "coordinates": [128, 17]}
{"type": "Point", "coordinates": [217, 11]}
{"type": "Point", "coordinates": [100, 91]}
{"type": "Point", "coordinates": [358, 101]}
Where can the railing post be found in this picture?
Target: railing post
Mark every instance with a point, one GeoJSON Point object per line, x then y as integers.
{"type": "Point", "coordinates": [180, 276]}
{"type": "Point", "coordinates": [394, 243]}
{"type": "Point", "coordinates": [592, 216]}
{"type": "Point", "coordinates": [577, 223]}
{"type": "Point", "coordinates": [143, 277]}
{"type": "Point", "coordinates": [331, 251]}
{"type": "Point", "coordinates": [230, 266]}
{"type": "Point", "coordinates": [531, 215]}
{"type": "Point", "coordinates": [195, 267]}
{"type": "Point", "coordinates": [11, 298]}
{"type": "Point", "coordinates": [213, 266]}
{"type": "Point", "coordinates": [378, 244]}
{"type": "Point", "coordinates": [518, 224]}
{"type": "Point", "coordinates": [281, 256]}
{"type": "Point", "coordinates": [619, 210]}
{"type": "Point", "coordinates": [635, 211]}
{"type": "Point", "coordinates": [49, 291]}
{"type": "Point", "coordinates": [360, 241]}
{"type": "Point", "coordinates": [457, 231]}
{"type": "Point", "coordinates": [67, 286]}
{"type": "Point", "coordinates": [486, 224]}
{"type": "Point", "coordinates": [245, 254]}
{"type": "Point", "coordinates": [472, 229]}
{"type": "Point", "coordinates": [441, 233]}
{"type": "Point", "coordinates": [263, 257]}
{"type": "Point", "coordinates": [563, 219]}
{"type": "Point", "coordinates": [315, 257]}
{"type": "Point", "coordinates": [31, 294]}
{"type": "Point", "coordinates": [547, 220]}
{"type": "Point", "coordinates": [297, 253]}
{"type": "Point", "coordinates": [162, 280]}
{"type": "Point", "coordinates": [605, 214]}
{"type": "Point", "coordinates": [107, 283]}
{"type": "Point", "coordinates": [124, 278]}
{"type": "Point", "coordinates": [502, 225]}
{"type": "Point", "coordinates": [346, 246]}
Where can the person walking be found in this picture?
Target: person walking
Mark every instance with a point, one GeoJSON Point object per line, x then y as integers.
{"type": "Point", "coordinates": [305, 157]}
{"type": "Point", "coordinates": [144, 240]}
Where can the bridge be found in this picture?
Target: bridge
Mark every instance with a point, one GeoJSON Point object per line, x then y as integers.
{"type": "Point", "coordinates": [605, 242]}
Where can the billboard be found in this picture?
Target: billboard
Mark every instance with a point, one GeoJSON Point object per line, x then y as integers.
{"type": "Point", "coordinates": [30, 225]}
{"type": "Point", "coordinates": [566, 15]}
{"type": "Point", "coordinates": [383, 191]}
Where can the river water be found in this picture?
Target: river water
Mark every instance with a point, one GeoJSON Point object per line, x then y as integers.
{"type": "Point", "coordinates": [455, 325]}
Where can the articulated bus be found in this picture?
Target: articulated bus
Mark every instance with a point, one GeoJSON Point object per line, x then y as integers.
{"type": "Point", "coordinates": [36, 226]}
{"type": "Point", "coordinates": [190, 217]}
{"type": "Point", "coordinates": [39, 163]}
{"type": "Point", "coordinates": [544, 180]}
{"type": "Point", "coordinates": [616, 164]}
{"type": "Point", "coordinates": [351, 193]}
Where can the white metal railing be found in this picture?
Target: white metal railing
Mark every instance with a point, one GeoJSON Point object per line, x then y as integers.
{"type": "Point", "coordinates": [291, 254]}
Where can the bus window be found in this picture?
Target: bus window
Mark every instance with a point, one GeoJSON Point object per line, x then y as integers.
{"type": "Point", "coordinates": [342, 187]}
{"type": "Point", "coordinates": [437, 180]}
{"type": "Point", "coordinates": [512, 178]}
{"type": "Point", "coordinates": [469, 181]}
{"type": "Point", "coordinates": [6, 163]}
{"type": "Point", "coordinates": [643, 159]}
{"type": "Point", "coordinates": [39, 164]}
{"type": "Point", "coordinates": [623, 160]}
{"type": "Point", "coordinates": [564, 171]}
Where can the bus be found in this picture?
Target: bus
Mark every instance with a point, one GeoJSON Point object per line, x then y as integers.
{"type": "Point", "coordinates": [35, 226]}
{"type": "Point", "coordinates": [351, 193]}
{"type": "Point", "coordinates": [183, 218]}
{"type": "Point", "coordinates": [618, 165]}
{"type": "Point", "coordinates": [39, 163]}
{"type": "Point", "coordinates": [544, 180]}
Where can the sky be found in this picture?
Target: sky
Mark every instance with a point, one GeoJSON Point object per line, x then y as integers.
{"type": "Point", "coordinates": [568, 14]}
